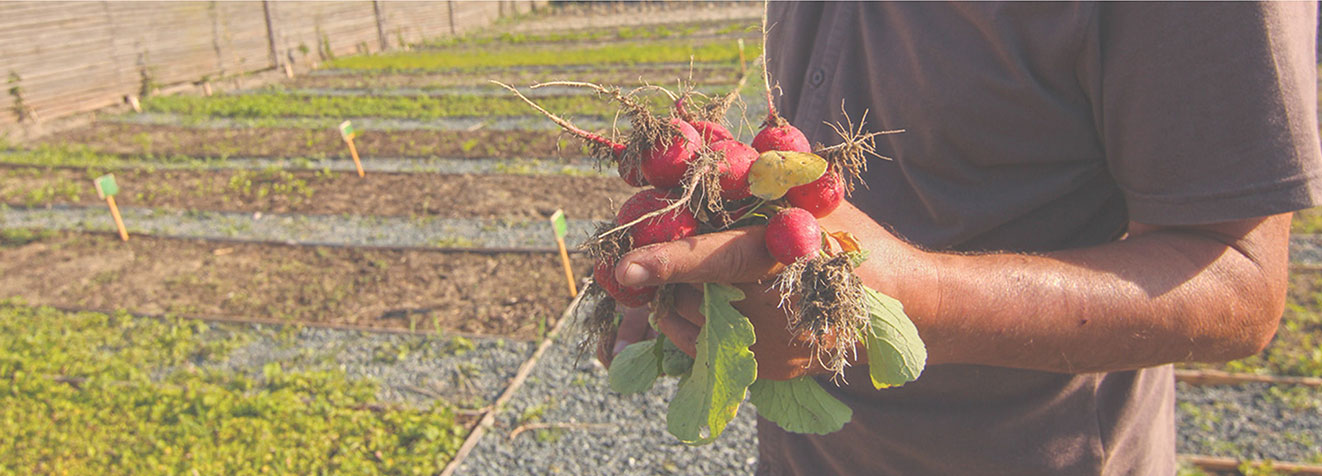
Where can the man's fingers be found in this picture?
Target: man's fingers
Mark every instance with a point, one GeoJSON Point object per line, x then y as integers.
{"type": "Point", "coordinates": [734, 256]}
{"type": "Point", "coordinates": [633, 328]}
{"type": "Point", "coordinates": [680, 331]}
{"type": "Point", "coordinates": [688, 304]}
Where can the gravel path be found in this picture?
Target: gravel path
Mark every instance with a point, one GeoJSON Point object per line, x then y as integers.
{"type": "Point", "coordinates": [624, 435]}
{"type": "Point", "coordinates": [1253, 421]}
{"type": "Point", "coordinates": [411, 369]}
{"type": "Point", "coordinates": [334, 230]}
{"type": "Point", "coordinates": [437, 165]}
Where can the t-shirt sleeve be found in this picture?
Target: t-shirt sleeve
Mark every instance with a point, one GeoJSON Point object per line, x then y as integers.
{"type": "Point", "coordinates": [1208, 112]}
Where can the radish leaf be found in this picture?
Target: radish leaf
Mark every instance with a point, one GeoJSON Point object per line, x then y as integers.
{"type": "Point", "coordinates": [722, 370]}
{"type": "Point", "coordinates": [896, 354]}
{"type": "Point", "coordinates": [799, 405]}
{"type": "Point", "coordinates": [635, 368]}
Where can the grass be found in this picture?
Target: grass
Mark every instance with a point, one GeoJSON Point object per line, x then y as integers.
{"type": "Point", "coordinates": [1307, 221]}
{"type": "Point", "coordinates": [623, 33]}
{"type": "Point", "coordinates": [279, 104]}
{"type": "Point", "coordinates": [86, 393]}
{"type": "Point", "coordinates": [481, 58]}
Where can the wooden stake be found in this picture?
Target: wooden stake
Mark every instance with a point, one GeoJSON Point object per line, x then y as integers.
{"type": "Point", "coordinates": [561, 228]}
{"type": "Point", "coordinates": [354, 152]}
{"type": "Point", "coordinates": [107, 188]}
{"type": "Point", "coordinates": [742, 66]}
{"type": "Point", "coordinates": [133, 103]}
{"type": "Point", "coordinates": [289, 71]}
{"type": "Point", "coordinates": [119, 222]}
{"type": "Point", "coordinates": [347, 133]}
{"type": "Point", "coordinates": [206, 88]}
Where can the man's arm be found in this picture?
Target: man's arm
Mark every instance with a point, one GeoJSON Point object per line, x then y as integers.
{"type": "Point", "coordinates": [1164, 294]}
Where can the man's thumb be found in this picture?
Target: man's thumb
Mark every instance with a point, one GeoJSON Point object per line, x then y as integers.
{"type": "Point", "coordinates": [736, 256]}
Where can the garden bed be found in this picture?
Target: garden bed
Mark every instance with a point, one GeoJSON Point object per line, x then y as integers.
{"type": "Point", "coordinates": [328, 193]}
{"type": "Point", "coordinates": [513, 295]}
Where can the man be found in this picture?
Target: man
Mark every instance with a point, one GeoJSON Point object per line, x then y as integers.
{"type": "Point", "coordinates": [1084, 194]}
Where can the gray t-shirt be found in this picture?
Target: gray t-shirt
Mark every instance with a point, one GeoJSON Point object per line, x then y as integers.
{"type": "Point", "coordinates": [1034, 127]}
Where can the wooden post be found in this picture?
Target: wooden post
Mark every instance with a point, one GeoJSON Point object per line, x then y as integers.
{"type": "Point", "coordinates": [270, 34]}
{"type": "Point", "coordinates": [377, 8]}
{"type": "Point", "coordinates": [450, 5]}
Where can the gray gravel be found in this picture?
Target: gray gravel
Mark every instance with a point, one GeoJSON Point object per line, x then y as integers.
{"type": "Point", "coordinates": [1253, 421]}
{"type": "Point", "coordinates": [1306, 249]}
{"type": "Point", "coordinates": [625, 434]}
{"type": "Point", "coordinates": [411, 369]}
{"type": "Point", "coordinates": [438, 165]}
{"type": "Point", "coordinates": [332, 230]}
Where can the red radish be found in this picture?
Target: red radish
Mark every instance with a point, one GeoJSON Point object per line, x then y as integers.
{"type": "Point", "coordinates": [820, 197]}
{"type": "Point", "coordinates": [664, 167]}
{"type": "Point", "coordinates": [670, 226]}
{"type": "Point", "coordinates": [604, 274]}
{"type": "Point", "coordinates": [632, 176]}
{"type": "Point", "coordinates": [783, 137]}
{"type": "Point", "coordinates": [734, 169]}
{"type": "Point", "coordinates": [792, 234]}
{"type": "Point", "coordinates": [711, 132]}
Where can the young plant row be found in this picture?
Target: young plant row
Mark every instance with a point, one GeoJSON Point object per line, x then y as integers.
{"type": "Point", "coordinates": [696, 179]}
{"type": "Point", "coordinates": [674, 51]}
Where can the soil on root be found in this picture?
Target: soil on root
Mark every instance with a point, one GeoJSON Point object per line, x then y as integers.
{"type": "Point", "coordinates": [623, 75]}
{"type": "Point", "coordinates": [334, 193]}
{"type": "Point", "coordinates": [513, 295]}
{"type": "Point", "coordinates": [169, 141]}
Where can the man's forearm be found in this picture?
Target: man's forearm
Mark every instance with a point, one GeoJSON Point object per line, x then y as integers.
{"type": "Point", "coordinates": [1163, 295]}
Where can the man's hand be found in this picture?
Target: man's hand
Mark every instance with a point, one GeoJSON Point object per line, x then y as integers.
{"type": "Point", "coordinates": [740, 258]}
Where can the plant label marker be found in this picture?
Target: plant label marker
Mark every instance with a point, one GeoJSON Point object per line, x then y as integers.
{"type": "Point", "coordinates": [134, 103]}
{"type": "Point", "coordinates": [347, 133]}
{"type": "Point", "coordinates": [561, 229]}
{"type": "Point", "coordinates": [289, 71]}
{"type": "Point", "coordinates": [206, 88]}
{"type": "Point", "coordinates": [106, 188]}
{"type": "Point", "coordinates": [742, 67]}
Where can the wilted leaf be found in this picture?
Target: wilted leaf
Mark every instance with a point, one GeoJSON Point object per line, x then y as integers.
{"type": "Point", "coordinates": [775, 172]}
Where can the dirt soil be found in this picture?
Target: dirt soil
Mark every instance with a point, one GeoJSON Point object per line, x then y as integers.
{"type": "Point", "coordinates": [621, 76]}
{"type": "Point", "coordinates": [314, 192]}
{"type": "Point", "coordinates": [504, 294]}
{"type": "Point", "coordinates": [166, 141]}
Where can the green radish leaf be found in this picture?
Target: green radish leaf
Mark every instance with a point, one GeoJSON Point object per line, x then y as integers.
{"type": "Point", "coordinates": [857, 257]}
{"type": "Point", "coordinates": [674, 362]}
{"type": "Point", "coordinates": [722, 370]}
{"type": "Point", "coordinates": [799, 405]}
{"type": "Point", "coordinates": [635, 368]}
{"type": "Point", "coordinates": [896, 355]}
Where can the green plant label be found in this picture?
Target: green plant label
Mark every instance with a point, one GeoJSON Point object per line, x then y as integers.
{"type": "Point", "coordinates": [896, 354]}
{"type": "Point", "coordinates": [722, 370]}
{"type": "Point", "coordinates": [346, 130]}
{"type": "Point", "coordinates": [106, 186]}
{"type": "Point", "coordinates": [799, 405]}
{"type": "Point", "coordinates": [559, 224]}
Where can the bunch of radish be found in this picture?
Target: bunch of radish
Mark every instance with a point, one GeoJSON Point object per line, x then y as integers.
{"type": "Point", "coordinates": [697, 177]}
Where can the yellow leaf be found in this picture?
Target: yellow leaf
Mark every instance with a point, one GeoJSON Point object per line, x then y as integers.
{"type": "Point", "coordinates": [775, 172]}
{"type": "Point", "coordinates": [846, 240]}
